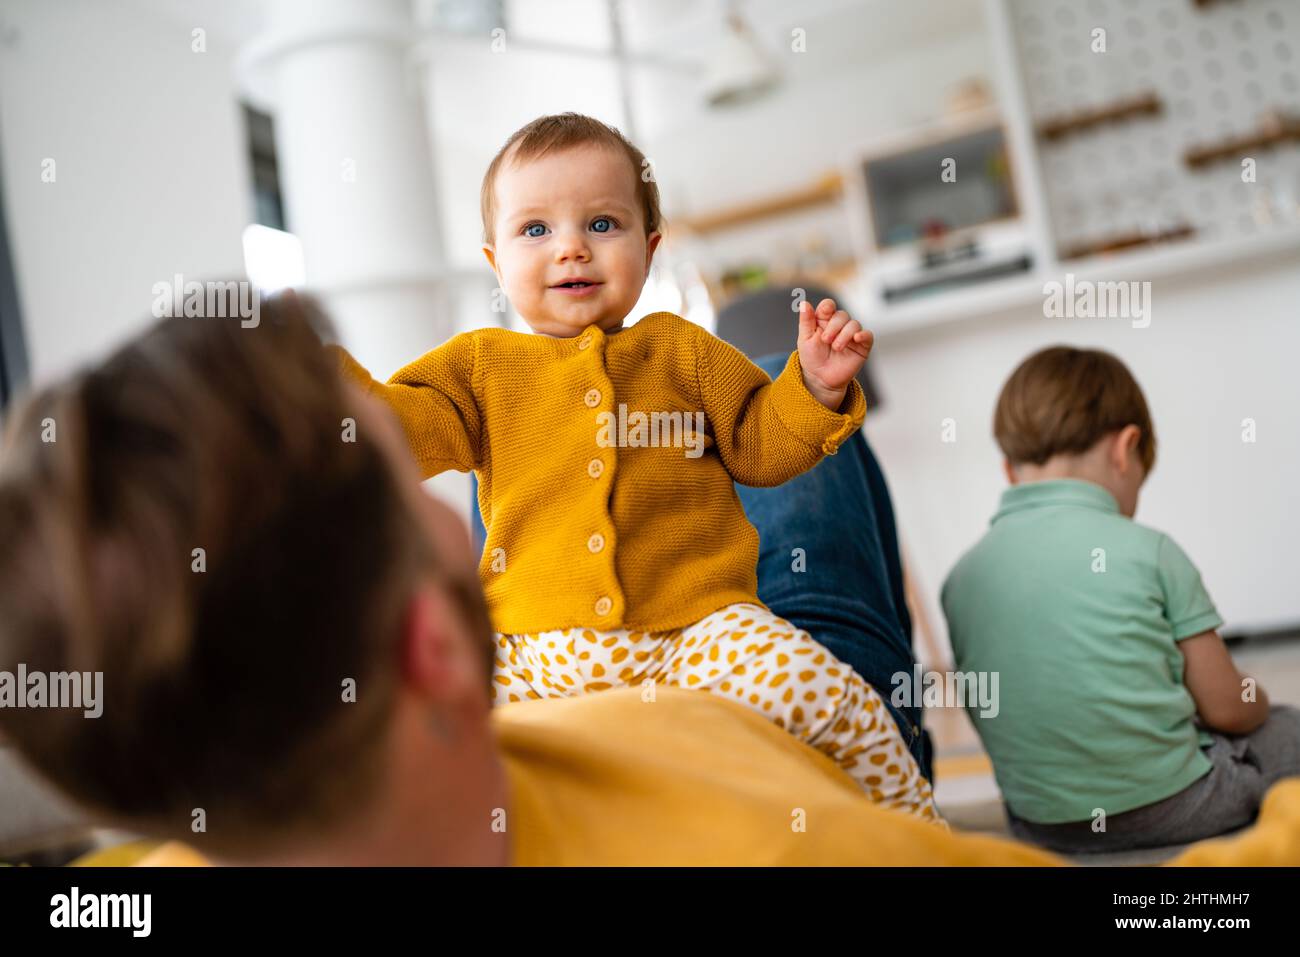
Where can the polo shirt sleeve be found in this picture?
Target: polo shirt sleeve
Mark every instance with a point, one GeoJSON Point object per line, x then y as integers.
{"type": "Point", "coordinates": [1188, 607]}
{"type": "Point", "coordinates": [434, 401]}
{"type": "Point", "coordinates": [768, 430]}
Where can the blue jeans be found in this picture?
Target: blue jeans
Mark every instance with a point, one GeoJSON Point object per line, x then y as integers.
{"type": "Point", "coordinates": [849, 593]}
{"type": "Point", "coordinates": [846, 586]}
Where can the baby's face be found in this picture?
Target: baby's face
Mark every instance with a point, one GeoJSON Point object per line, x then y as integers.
{"type": "Point", "coordinates": [568, 214]}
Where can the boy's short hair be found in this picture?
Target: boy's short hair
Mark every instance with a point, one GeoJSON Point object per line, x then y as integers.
{"type": "Point", "coordinates": [560, 131]}
{"type": "Point", "coordinates": [1062, 400]}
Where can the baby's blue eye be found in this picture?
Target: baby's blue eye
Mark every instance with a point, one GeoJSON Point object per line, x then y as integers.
{"type": "Point", "coordinates": [603, 219]}
{"type": "Point", "coordinates": [528, 230]}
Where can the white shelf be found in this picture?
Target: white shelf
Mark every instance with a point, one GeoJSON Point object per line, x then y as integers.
{"type": "Point", "coordinates": [1190, 258]}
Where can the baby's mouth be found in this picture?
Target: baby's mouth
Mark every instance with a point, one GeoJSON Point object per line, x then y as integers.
{"type": "Point", "coordinates": [577, 288]}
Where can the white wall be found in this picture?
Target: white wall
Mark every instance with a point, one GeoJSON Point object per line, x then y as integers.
{"type": "Point", "coordinates": [1220, 348]}
{"type": "Point", "coordinates": [150, 162]}
{"type": "Point", "coordinates": [706, 160]}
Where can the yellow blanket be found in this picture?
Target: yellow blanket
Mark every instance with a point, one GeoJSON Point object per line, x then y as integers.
{"type": "Point", "coordinates": [688, 778]}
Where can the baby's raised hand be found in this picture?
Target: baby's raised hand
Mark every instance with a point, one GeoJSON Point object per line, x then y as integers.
{"type": "Point", "coordinates": [832, 348]}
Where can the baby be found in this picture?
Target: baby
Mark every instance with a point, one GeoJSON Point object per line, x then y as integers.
{"type": "Point", "coordinates": [617, 551]}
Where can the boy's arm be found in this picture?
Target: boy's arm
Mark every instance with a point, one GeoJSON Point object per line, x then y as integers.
{"type": "Point", "coordinates": [768, 430]}
{"type": "Point", "coordinates": [433, 399]}
{"type": "Point", "coordinates": [1218, 688]}
{"type": "Point", "coordinates": [1211, 678]}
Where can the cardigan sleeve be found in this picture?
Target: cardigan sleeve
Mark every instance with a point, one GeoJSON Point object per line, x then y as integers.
{"type": "Point", "coordinates": [434, 400]}
{"type": "Point", "coordinates": [768, 431]}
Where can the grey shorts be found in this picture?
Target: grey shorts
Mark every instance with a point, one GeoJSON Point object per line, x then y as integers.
{"type": "Point", "coordinates": [1225, 799]}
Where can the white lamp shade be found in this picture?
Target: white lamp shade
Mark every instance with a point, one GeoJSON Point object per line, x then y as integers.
{"type": "Point", "coordinates": [739, 71]}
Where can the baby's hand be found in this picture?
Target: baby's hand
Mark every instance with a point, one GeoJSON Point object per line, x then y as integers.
{"type": "Point", "coordinates": [832, 348]}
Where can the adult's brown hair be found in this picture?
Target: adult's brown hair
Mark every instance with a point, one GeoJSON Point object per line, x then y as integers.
{"type": "Point", "coordinates": [561, 131]}
{"type": "Point", "coordinates": [225, 669]}
{"type": "Point", "coordinates": [1062, 400]}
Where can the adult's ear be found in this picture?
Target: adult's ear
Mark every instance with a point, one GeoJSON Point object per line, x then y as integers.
{"type": "Point", "coordinates": [1009, 470]}
{"type": "Point", "coordinates": [433, 666]}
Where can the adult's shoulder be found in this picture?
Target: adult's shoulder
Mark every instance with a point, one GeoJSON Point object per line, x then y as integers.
{"type": "Point", "coordinates": [616, 720]}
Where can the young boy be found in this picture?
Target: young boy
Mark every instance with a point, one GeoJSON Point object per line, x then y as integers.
{"type": "Point", "coordinates": [617, 552]}
{"type": "Point", "coordinates": [1103, 635]}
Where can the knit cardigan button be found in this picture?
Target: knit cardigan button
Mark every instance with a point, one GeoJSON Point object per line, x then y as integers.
{"type": "Point", "coordinates": [604, 606]}
{"type": "Point", "coordinates": [592, 398]}
{"type": "Point", "coordinates": [596, 543]}
{"type": "Point", "coordinates": [595, 467]}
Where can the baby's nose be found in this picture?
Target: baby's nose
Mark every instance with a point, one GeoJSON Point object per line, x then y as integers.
{"type": "Point", "coordinates": [573, 247]}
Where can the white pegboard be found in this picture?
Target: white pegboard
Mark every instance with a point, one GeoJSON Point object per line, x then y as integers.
{"type": "Point", "coordinates": [1217, 70]}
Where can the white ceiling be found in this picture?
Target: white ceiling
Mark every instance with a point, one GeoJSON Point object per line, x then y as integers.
{"type": "Point", "coordinates": [235, 21]}
{"type": "Point", "coordinates": [841, 33]}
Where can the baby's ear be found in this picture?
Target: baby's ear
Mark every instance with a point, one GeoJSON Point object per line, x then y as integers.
{"type": "Point", "coordinates": [490, 252]}
{"type": "Point", "coordinates": [652, 242]}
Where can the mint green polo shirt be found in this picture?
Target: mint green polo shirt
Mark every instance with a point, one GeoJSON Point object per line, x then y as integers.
{"type": "Point", "coordinates": [1080, 610]}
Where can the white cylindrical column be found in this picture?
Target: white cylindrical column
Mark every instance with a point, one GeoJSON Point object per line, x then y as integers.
{"type": "Point", "coordinates": [357, 176]}
{"type": "Point", "coordinates": [356, 170]}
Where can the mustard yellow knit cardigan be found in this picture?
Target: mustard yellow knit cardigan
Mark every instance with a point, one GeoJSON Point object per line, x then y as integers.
{"type": "Point", "coordinates": [601, 512]}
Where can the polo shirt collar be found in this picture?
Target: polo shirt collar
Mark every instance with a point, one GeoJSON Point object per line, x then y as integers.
{"type": "Point", "coordinates": [1055, 492]}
